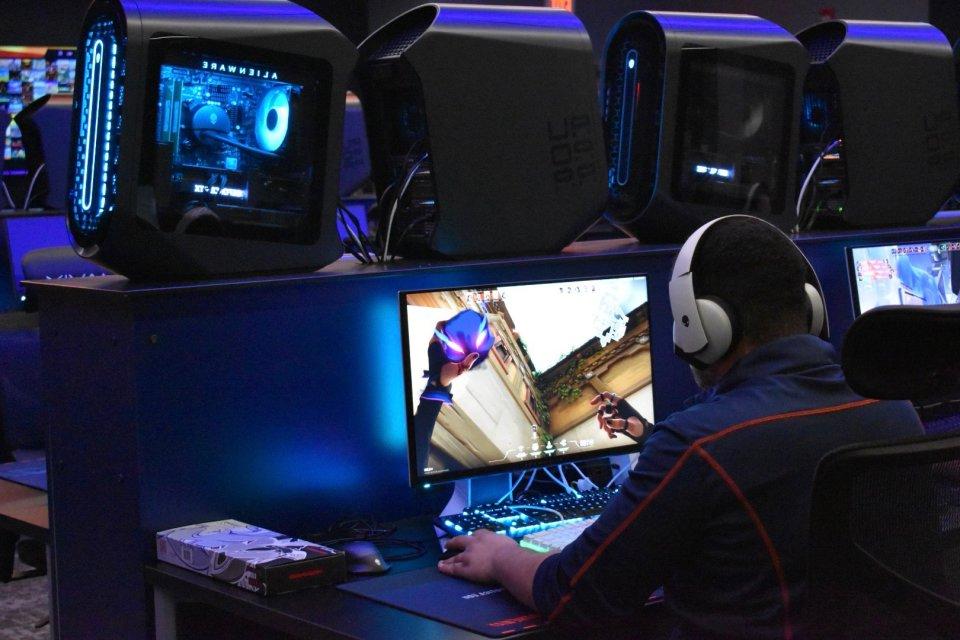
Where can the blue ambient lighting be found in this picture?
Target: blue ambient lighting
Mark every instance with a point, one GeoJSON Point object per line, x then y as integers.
{"type": "Point", "coordinates": [94, 184]}
{"type": "Point", "coordinates": [631, 93]}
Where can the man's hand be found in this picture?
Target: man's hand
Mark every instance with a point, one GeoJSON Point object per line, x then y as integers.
{"type": "Point", "coordinates": [477, 556]}
{"type": "Point", "coordinates": [487, 557]}
{"type": "Point", "coordinates": [610, 420]}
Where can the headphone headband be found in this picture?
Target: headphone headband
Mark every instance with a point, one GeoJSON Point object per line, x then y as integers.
{"type": "Point", "coordinates": [703, 330]}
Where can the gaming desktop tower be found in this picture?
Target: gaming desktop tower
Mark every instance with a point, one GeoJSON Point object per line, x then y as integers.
{"type": "Point", "coordinates": [206, 137]}
{"type": "Point", "coordinates": [700, 114]}
{"type": "Point", "coordinates": [880, 138]}
{"type": "Point", "coordinates": [484, 130]}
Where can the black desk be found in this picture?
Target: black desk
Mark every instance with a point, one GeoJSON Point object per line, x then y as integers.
{"type": "Point", "coordinates": [313, 613]}
{"type": "Point", "coordinates": [329, 612]}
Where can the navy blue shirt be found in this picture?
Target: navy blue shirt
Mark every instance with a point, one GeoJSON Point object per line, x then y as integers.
{"type": "Point", "coordinates": [717, 507]}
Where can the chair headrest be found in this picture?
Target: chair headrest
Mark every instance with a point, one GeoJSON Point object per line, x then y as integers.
{"type": "Point", "coordinates": [905, 353]}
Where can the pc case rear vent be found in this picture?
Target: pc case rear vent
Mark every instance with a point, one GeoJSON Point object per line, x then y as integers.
{"type": "Point", "coordinates": [821, 42]}
{"type": "Point", "coordinates": [395, 46]}
{"type": "Point", "coordinates": [407, 32]}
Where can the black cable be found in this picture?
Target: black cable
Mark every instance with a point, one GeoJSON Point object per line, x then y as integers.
{"type": "Point", "coordinates": [365, 244]}
{"type": "Point", "coordinates": [353, 240]}
{"type": "Point", "coordinates": [369, 530]}
{"type": "Point", "coordinates": [410, 227]}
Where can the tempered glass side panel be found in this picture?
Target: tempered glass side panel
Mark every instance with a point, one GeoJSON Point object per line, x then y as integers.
{"type": "Point", "coordinates": [733, 131]}
{"type": "Point", "coordinates": [238, 142]}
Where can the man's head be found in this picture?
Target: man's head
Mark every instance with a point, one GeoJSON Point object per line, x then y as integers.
{"type": "Point", "coordinates": [748, 270]}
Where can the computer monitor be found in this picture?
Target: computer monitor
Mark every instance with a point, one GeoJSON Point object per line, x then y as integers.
{"type": "Point", "coordinates": [28, 74]}
{"type": "Point", "coordinates": [543, 351]}
{"type": "Point", "coordinates": [25, 234]}
{"type": "Point", "coordinates": [919, 273]}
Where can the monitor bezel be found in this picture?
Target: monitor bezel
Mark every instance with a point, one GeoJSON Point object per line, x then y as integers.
{"type": "Point", "coordinates": [852, 271]}
{"type": "Point", "coordinates": [416, 478]}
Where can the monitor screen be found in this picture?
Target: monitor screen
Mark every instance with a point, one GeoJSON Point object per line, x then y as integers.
{"type": "Point", "coordinates": [25, 234]}
{"type": "Point", "coordinates": [501, 377]}
{"type": "Point", "coordinates": [29, 73]}
{"type": "Point", "coordinates": [922, 273]}
{"type": "Point", "coordinates": [236, 139]}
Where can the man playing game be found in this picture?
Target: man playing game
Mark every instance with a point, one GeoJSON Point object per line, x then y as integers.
{"type": "Point", "coordinates": [716, 508]}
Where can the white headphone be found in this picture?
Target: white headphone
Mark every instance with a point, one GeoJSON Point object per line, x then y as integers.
{"type": "Point", "coordinates": [705, 329]}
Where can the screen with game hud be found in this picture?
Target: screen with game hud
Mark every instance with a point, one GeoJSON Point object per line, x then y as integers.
{"type": "Point", "coordinates": [921, 273]}
{"type": "Point", "coordinates": [502, 377]}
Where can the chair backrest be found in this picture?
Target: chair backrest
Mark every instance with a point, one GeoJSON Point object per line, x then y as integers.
{"type": "Point", "coordinates": [885, 542]}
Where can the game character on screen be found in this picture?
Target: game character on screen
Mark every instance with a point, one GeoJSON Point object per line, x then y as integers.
{"type": "Point", "coordinates": [617, 416]}
{"type": "Point", "coordinates": [920, 285]}
{"type": "Point", "coordinates": [457, 345]}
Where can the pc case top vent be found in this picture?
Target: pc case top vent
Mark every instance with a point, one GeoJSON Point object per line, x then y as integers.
{"type": "Point", "coordinates": [413, 26]}
{"type": "Point", "coordinates": [821, 41]}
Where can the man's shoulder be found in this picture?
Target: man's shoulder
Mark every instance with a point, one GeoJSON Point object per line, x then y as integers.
{"type": "Point", "coordinates": [734, 413]}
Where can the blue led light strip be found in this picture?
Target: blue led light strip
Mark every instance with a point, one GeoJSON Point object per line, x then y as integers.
{"type": "Point", "coordinates": [97, 105]}
{"type": "Point", "coordinates": [630, 93]}
{"type": "Point", "coordinates": [92, 89]}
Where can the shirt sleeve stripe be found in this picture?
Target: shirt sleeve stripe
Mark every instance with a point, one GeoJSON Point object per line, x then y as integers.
{"type": "Point", "coordinates": [764, 537]}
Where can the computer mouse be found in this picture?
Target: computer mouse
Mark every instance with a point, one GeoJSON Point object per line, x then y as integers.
{"type": "Point", "coordinates": [449, 553]}
{"type": "Point", "coordinates": [364, 558]}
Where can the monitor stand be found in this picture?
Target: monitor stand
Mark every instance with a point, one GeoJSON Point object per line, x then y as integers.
{"type": "Point", "coordinates": [480, 490]}
{"type": "Point", "coordinates": [487, 489]}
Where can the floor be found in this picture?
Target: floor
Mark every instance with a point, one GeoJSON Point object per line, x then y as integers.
{"type": "Point", "coordinates": [23, 603]}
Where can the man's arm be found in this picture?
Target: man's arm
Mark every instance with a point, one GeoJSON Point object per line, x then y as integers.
{"type": "Point", "coordinates": [489, 557]}
{"type": "Point", "coordinates": [618, 561]}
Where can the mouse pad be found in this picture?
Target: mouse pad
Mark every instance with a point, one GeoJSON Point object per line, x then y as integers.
{"type": "Point", "coordinates": [487, 610]}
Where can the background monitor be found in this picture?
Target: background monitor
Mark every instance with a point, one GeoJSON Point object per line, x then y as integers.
{"type": "Point", "coordinates": [921, 273]}
{"type": "Point", "coordinates": [24, 234]}
{"type": "Point", "coordinates": [545, 350]}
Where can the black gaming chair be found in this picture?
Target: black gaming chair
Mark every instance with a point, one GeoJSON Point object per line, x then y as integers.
{"type": "Point", "coordinates": [885, 517]}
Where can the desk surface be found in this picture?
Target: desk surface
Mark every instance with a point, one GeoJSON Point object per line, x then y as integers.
{"type": "Point", "coordinates": [323, 612]}
{"type": "Point", "coordinates": [24, 509]}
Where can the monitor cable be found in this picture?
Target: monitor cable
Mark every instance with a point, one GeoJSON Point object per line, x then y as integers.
{"type": "Point", "coordinates": [806, 217]}
{"type": "Point", "coordinates": [6, 193]}
{"type": "Point", "coordinates": [33, 182]}
{"type": "Point", "coordinates": [370, 530]}
{"type": "Point", "coordinates": [401, 193]}
{"type": "Point", "coordinates": [509, 493]}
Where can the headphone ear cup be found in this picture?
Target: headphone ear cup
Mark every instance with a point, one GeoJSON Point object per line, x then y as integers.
{"type": "Point", "coordinates": [816, 308]}
{"type": "Point", "coordinates": [719, 327]}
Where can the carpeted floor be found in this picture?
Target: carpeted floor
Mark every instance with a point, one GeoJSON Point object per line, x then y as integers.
{"type": "Point", "coordinates": [23, 603]}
